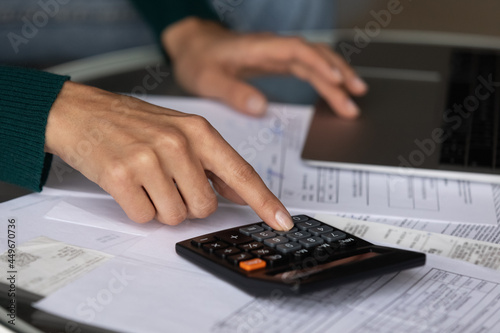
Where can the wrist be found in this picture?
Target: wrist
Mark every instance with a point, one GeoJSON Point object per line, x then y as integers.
{"type": "Point", "coordinates": [63, 121]}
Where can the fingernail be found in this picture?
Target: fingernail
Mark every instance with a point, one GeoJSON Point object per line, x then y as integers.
{"type": "Point", "coordinates": [284, 220]}
{"type": "Point", "coordinates": [351, 107]}
{"type": "Point", "coordinates": [256, 105]}
{"type": "Point", "coordinates": [337, 76]}
{"type": "Point", "coordinates": [359, 84]}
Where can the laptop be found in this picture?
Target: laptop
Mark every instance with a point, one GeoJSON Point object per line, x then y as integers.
{"type": "Point", "coordinates": [432, 110]}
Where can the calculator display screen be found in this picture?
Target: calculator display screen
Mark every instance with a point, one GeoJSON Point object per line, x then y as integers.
{"type": "Point", "coordinates": [304, 272]}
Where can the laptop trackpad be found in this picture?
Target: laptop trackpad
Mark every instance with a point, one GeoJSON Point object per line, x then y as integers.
{"type": "Point", "coordinates": [398, 117]}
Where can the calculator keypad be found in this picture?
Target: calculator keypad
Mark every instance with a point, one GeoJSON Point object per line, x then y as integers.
{"type": "Point", "coordinates": [240, 246]}
{"type": "Point", "coordinates": [308, 257]}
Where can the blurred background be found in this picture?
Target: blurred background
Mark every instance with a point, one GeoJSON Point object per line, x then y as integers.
{"type": "Point", "coordinates": [466, 16]}
{"type": "Point", "coordinates": [82, 28]}
{"type": "Point", "coordinates": [77, 29]}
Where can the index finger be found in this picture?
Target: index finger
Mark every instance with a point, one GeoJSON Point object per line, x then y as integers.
{"type": "Point", "coordinates": [229, 166]}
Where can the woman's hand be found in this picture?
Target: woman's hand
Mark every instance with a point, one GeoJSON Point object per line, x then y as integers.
{"type": "Point", "coordinates": [212, 61]}
{"type": "Point", "coordinates": [155, 162]}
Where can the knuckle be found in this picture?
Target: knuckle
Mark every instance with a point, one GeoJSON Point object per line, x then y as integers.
{"type": "Point", "coordinates": [200, 127]}
{"type": "Point", "coordinates": [143, 216]}
{"type": "Point", "coordinates": [120, 172]}
{"type": "Point", "coordinates": [174, 217]}
{"type": "Point", "coordinates": [205, 207]}
{"type": "Point", "coordinates": [116, 173]}
{"type": "Point", "coordinates": [244, 173]}
{"type": "Point", "coordinates": [144, 156]}
{"type": "Point", "coordinates": [173, 140]}
{"type": "Point", "coordinates": [199, 123]}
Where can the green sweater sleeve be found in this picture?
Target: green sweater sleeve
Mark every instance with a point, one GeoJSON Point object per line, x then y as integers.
{"type": "Point", "coordinates": [26, 97]}
{"type": "Point", "coordinates": [161, 13]}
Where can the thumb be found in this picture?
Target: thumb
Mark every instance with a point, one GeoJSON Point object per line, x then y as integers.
{"type": "Point", "coordinates": [234, 92]}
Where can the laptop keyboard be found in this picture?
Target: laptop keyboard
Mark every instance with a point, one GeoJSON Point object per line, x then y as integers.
{"type": "Point", "coordinates": [471, 121]}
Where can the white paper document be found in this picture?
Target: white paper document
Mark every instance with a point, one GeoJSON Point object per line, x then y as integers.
{"type": "Point", "coordinates": [480, 232]}
{"type": "Point", "coordinates": [29, 211]}
{"type": "Point", "coordinates": [442, 296]}
{"type": "Point", "coordinates": [149, 288]}
{"type": "Point", "coordinates": [45, 265]}
{"type": "Point", "coordinates": [273, 144]}
{"type": "Point", "coordinates": [476, 252]}
{"type": "Point", "coordinates": [65, 211]}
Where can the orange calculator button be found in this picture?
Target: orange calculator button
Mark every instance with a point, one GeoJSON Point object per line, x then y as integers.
{"type": "Point", "coordinates": [252, 264]}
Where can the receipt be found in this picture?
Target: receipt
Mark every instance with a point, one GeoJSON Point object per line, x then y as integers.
{"type": "Point", "coordinates": [45, 265]}
{"type": "Point", "coordinates": [476, 252]}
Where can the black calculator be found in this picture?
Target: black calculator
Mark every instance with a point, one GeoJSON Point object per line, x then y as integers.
{"type": "Point", "coordinates": [309, 257]}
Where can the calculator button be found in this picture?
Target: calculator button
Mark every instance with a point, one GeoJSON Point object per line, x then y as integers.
{"type": "Point", "coordinates": [266, 226]}
{"type": "Point", "coordinates": [235, 259]}
{"type": "Point", "coordinates": [301, 254]}
{"type": "Point", "coordinates": [263, 252]}
{"type": "Point", "coordinates": [211, 247]}
{"type": "Point", "coordinates": [234, 238]}
{"type": "Point", "coordinates": [275, 260]}
{"type": "Point", "coordinates": [260, 236]}
{"type": "Point", "coordinates": [300, 218]}
{"type": "Point", "coordinates": [288, 247]}
{"type": "Point", "coordinates": [251, 229]}
{"type": "Point", "coordinates": [308, 224]}
{"type": "Point", "coordinates": [224, 253]}
{"type": "Point", "coordinates": [272, 242]}
{"type": "Point", "coordinates": [348, 242]}
{"type": "Point", "coordinates": [333, 236]}
{"type": "Point", "coordinates": [295, 236]}
{"type": "Point", "coordinates": [284, 233]}
{"type": "Point", "coordinates": [199, 241]}
{"type": "Point", "coordinates": [317, 231]}
{"type": "Point", "coordinates": [324, 251]}
{"type": "Point", "coordinates": [252, 264]}
{"type": "Point", "coordinates": [251, 246]}
{"type": "Point", "coordinates": [311, 241]}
